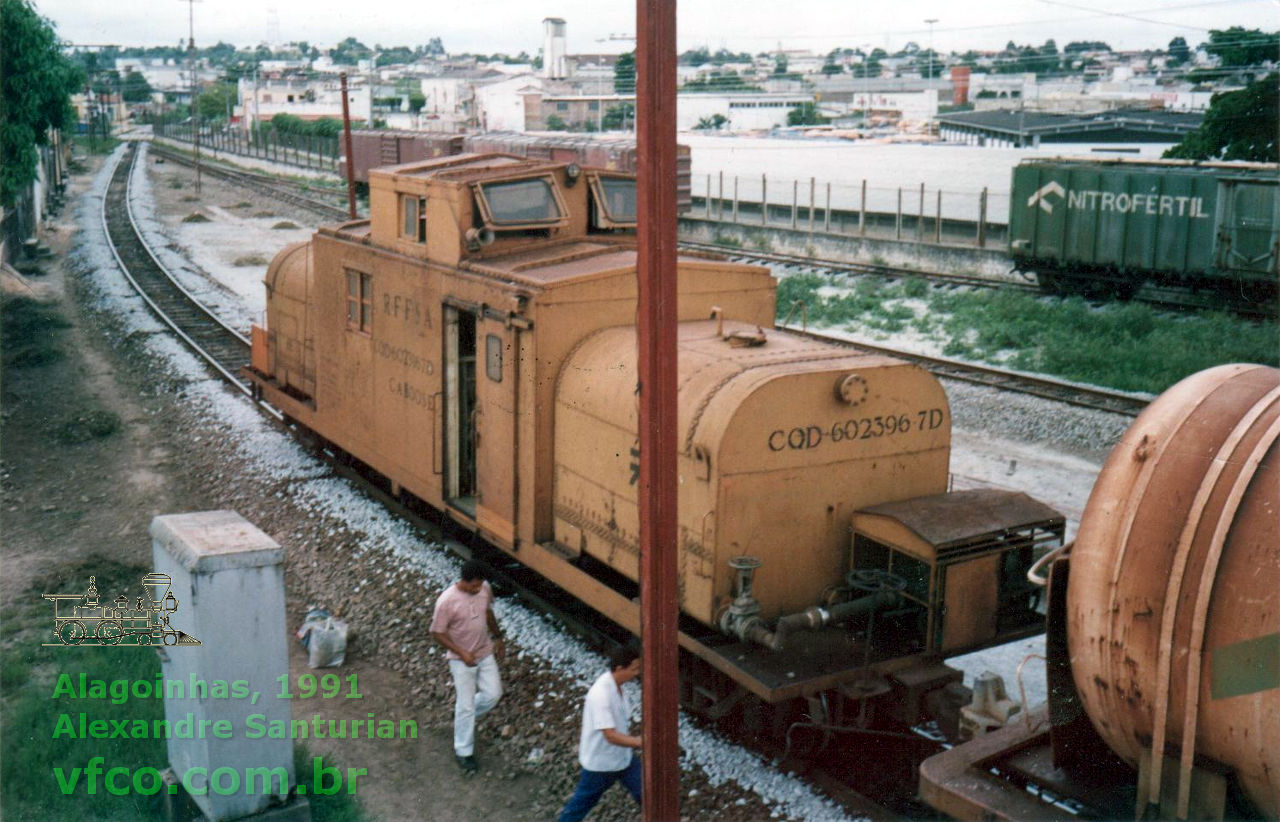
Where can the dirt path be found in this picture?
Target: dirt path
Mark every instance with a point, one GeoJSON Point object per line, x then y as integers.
{"type": "Point", "coordinates": [65, 502]}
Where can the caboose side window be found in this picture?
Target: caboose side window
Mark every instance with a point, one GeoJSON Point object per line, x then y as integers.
{"type": "Point", "coordinates": [359, 301]}
{"type": "Point", "coordinates": [409, 210]}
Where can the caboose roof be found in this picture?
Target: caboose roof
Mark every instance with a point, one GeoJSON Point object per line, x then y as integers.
{"type": "Point", "coordinates": [460, 168]}
{"type": "Point", "coordinates": [574, 261]}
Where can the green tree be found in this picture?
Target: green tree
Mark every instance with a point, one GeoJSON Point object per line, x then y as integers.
{"type": "Point", "coordinates": [1239, 125]}
{"type": "Point", "coordinates": [216, 101]}
{"type": "Point", "coordinates": [831, 66]}
{"type": "Point", "coordinates": [1179, 52]}
{"type": "Point", "coordinates": [712, 123]}
{"type": "Point", "coordinates": [395, 55]}
{"type": "Point", "coordinates": [624, 74]}
{"type": "Point", "coordinates": [805, 114]}
{"type": "Point", "coordinates": [616, 117]}
{"type": "Point", "coordinates": [555, 123]}
{"type": "Point", "coordinates": [36, 86]}
{"type": "Point", "coordinates": [135, 88]}
{"type": "Point", "coordinates": [1237, 46]}
{"type": "Point", "coordinates": [780, 64]}
{"type": "Point", "coordinates": [416, 101]}
{"type": "Point", "coordinates": [350, 51]}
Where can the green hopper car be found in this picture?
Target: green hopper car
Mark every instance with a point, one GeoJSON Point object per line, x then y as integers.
{"type": "Point", "coordinates": [1104, 228]}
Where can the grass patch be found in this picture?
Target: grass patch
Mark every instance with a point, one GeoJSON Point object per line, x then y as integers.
{"type": "Point", "coordinates": [264, 214]}
{"type": "Point", "coordinates": [726, 241]}
{"type": "Point", "coordinates": [195, 217]}
{"type": "Point", "coordinates": [86, 425]}
{"type": "Point", "coordinates": [98, 145]}
{"type": "Point", "coordinates": [285, 224]}
{"type": "Point", "coordinates": [29, 672]}
{"type": "Point", "coordinates": [30, 331]}
{"type": "Point", "coordinates": [243, 204]}
{"type": "Point", "coordinates": [249, 259]}
{"type": "Point", "coordinates": [175, 183]}
{"type": "Point", "coordinates": [1129, 346]}
{"type": "Point", "coordinates": [190, 198]}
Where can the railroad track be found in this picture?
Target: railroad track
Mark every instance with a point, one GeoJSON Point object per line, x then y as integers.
{"type": "Point", "coordinates": [1069, 393]}
{"type": "Point", "coordinates": [1044, 387]}
{"type": "Point", "coordinates": [227, 351]}
{"type": "Point", "coordinates": [217, 343]}
{"type": "Point", "coordinates": [294, 193]}
{"type": "Point", "coordinates": [1167, 297]}
{"type": "Point", "coordinates": [838, 267]}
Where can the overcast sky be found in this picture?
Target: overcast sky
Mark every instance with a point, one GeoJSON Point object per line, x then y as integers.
{"type": "Point", "coordinates": [752, 25]}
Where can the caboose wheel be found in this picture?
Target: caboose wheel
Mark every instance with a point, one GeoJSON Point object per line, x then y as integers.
{"type": "Point", "coordinates": [109, 632]}
{"type": "Point", "coordinates": [72, 632]}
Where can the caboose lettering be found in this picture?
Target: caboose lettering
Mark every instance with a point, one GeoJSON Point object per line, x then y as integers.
{"type": "Point", "coordinates": [516, 352]}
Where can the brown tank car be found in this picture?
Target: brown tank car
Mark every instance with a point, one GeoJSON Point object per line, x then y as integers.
{"type": "Point", "coordinates": [1163, 623]}
{"type": "Point", "coordinates": [474, 342]}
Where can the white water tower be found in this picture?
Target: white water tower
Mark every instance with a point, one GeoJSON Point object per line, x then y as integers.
{"type": "Point", "coordinates": [553, 49]}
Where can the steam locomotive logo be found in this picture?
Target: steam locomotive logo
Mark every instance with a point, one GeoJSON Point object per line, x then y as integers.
{"type": "Point", "coordinates": [79, 619]}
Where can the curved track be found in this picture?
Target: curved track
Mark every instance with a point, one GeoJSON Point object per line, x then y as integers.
{"type": "Point", "coordinates": [1045, 387]}
{"type": "Point", "coordinates": [227, 351]}
{"type": "Point", "coordinates": [217, 343]}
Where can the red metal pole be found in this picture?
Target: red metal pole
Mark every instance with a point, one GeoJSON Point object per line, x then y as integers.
{"type": "Point", "coordinates": [346, 136]}
{"type": "Point", "coordinates": [656, 321]}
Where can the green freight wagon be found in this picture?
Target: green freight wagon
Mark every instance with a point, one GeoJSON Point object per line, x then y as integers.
{"type": "Point", "coordinates": [1103, 228]}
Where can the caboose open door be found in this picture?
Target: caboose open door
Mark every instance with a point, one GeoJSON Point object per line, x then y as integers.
{"type": "Point", "coordinates": [460, 489]}
{"type": "Point", "coordinates": [479, 425]}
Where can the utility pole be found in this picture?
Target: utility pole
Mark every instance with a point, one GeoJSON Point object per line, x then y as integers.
{"type": "Point", "coordinates": [930, 21]}
{"type": "Point", "coordinates": [191, 67]}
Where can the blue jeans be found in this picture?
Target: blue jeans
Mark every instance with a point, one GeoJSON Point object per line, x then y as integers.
{"type": "Point", "coordinates": [593, 784]}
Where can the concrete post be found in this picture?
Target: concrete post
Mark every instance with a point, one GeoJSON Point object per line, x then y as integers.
{"type": "Point", "coordinates": [764, 200]}
{"type": "Point", "coordinates": [982, 219]}
{"type": "Point", "coordinates": [862, 212]}
{"type": "Point", "coordinates": [897, 223]}
{"type": "Point", "coordinates": [228, 579]}
{"type": "Point", "coordinates": [795, 201]}
{"type": "Point", "coordinates": [920, 217]}
{"type": "Point", "coordinates": [812, 185]}
{"type": "Point", "coordinates": [826, 214]}
{"type": "Point", "coordinates": [735, 198]}
{"type": "Point", "coordinates": [707, 201]}
{"type": "Point", "coordinates": [720, 199]}
{"type": "Point", "coordinates": [937, 220]}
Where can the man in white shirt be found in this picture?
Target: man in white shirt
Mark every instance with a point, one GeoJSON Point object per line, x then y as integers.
{"type": "Point", "coordinates": [605, 749]}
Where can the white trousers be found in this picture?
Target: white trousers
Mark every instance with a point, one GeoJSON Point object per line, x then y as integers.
{"type": "Point", "coordinates": [478, 689]}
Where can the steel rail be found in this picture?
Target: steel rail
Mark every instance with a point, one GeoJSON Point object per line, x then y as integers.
{"type": "Point", "coordinates": [265, 183]}
{"type": "Point", "coordinates": [211, 339]}
{"type": "Point", "coordinates": [739, 254]}
{"type": "Point", "coordinates": [538, 593]}
{"type": "Point", "coordinates": [1169, 298]}
{"type": "Point", "coordinates": [1049, 388]}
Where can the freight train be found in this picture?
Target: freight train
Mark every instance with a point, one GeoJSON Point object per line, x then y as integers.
{"type": "Point", "coordinates": [1163, 637]}
{"type": "Point", "coordinates": [609, 152]}
{"type": "Point", "coordinates": [1105, 228]}
{"type": "Point", "coordinates": [473, 343]}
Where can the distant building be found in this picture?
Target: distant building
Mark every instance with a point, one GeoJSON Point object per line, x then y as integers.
{"type": "Point", "coordinates": [304, 97]}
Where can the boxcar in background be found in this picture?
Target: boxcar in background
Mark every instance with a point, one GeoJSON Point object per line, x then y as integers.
{"type": "Point", "coordinates": [375, 148]}
{"type": "Point", "coordinates": [1104, 228]}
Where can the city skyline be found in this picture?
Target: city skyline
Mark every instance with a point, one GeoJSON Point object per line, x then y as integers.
{"type": "Point", "coordinates": [594, 28]}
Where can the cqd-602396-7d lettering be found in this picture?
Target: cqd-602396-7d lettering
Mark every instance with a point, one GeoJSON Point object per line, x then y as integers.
{"type": "Point", "coordinates": [808, 437]}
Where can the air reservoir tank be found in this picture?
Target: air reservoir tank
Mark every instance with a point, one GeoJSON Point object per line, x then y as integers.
{"type": "Point", "coordinates": [1172, 603]}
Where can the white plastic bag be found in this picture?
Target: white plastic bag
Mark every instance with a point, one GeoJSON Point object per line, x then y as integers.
{"type": "Point", "coordinates": [325, 638]}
